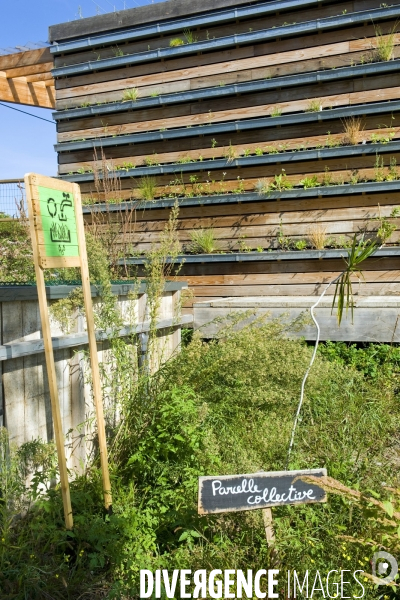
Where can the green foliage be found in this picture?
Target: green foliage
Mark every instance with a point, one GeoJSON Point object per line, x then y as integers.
{"type": "Point", "coordinates": [176, 42]}
{"type": "Point", "coordinates": [213, 409]}
{"type": "Point", "coordinates": [375, 361]}
{"type": "Point", "coordinates": [130, 94]}
{"type": "Point", "coordinates": [203, 241]}
{"type": "Point", "coordinates": [147, 188]}
{"type": "Point", "coordinates": [16, 259]}
{"type": "Point", "coordinates": [360, 250]}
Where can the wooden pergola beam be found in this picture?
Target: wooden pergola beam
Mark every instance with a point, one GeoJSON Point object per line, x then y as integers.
{"type": "Point", "coordinates": [25, 78]}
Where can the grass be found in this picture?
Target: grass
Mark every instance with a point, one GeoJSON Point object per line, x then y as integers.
{"type": "Point", "coordinates": [317, 236]}
{"type": "Point", "coordinates": [203, 241]}
{"type": "Point", "coordinates": [352, 127]}
{"type": "Point", "coordinates": [147, 188]}
{"type": "Point", "coordinates": [231, 153]}
{"type": "Point", "coordinates": [189, 36]}
{"type": "Point", "coordinates": [130, 94]}
{"type": "Point", "coordinates": [276, 111]}
{"type": "Point", "coordinates": [221, 407]}
{"type": "Point", "coordinates": [385, 43]}
{"type": "Point", "coordinates": [314, 106]}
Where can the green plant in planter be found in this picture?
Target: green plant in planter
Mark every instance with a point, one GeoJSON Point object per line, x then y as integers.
{"type": "Point", "coordinates": [284, 242]}
{"type": "Point", "coordinates": [300, 245]}
{"type": "Point", "coordinates": [379, 168]}
{"type": "Point", "coordinates": [281, 182]}
{"type": "Point", "coordinates": [276, 111]}
{"type": "Point", "coordinates": [309, 182]}
{"type": "Point", "coordinates": [385, 44]}
{"type": "Point", "coordinates": [130, 94]}
{"type": "Point", "coordinates": [203, 241]}
{"type": "Point", "coordinates": [147, 188]}
{"type": "Point", "coordinates": [175, 42]}
{"type": "Point", "coordinates": [314, 106]}
{"type": "Point", "coordinates": [382, 139]}
{"type": "Point", "coordinates": [189, 36]}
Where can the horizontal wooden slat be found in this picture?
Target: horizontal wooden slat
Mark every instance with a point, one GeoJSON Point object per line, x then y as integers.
{"type": "Point", "coordinates": [210, 32]}
{"type": "Point", "coordinates": [375, 91]}
{"type": "Point", "coordinates": [285, 279]}
{"type": "Point", "coordinates": [256, 60]}
{"type": "Point", "coordinates": [210, 153]}
{"type": "Point", "coordinates": [367, 289]}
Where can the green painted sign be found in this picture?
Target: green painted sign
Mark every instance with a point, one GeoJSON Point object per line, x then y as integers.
{"type": "Point", "coordinates": [57, 210]}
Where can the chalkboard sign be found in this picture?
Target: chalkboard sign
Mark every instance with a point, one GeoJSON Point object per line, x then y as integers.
{"type": "Point", "coordinates": [232, 493]}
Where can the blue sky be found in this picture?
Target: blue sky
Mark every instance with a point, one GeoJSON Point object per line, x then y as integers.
{"type": "Point", "coordinates": [26, 143]}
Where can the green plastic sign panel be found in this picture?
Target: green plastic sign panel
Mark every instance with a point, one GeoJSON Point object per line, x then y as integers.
{"type": "Point", "coordinates": [57, 212]}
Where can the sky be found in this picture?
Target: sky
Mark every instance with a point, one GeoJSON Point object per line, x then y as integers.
{"type": "Point", "coordinates": [26, 143]}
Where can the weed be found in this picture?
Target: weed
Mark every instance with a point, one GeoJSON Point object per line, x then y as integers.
{"type": "Point", "coordinates": [155, 95]}
{"type": "Point", "coordinates": [176, 42]}
{"type": "Point", "coordinates": [258, 152]}
{"type": "Point", "coordinates": [382, 139]}
{"type": "Point", "coordinates": [393, 174]}
{"type": "Point", "coordinates": [117, 51]}
{"type": "Point", "coordinates": [379, 168]}
{"type": "Point", "coordinates": [276, 111]}
{"type": "Point", "coordinates": [309, 182]}
{"type": "Point", "coordinates": [317, 236]}
{"type": "Point", "coordinates": [189, 36]}
{"type": "Point", "coordinates": [281, 182]}
{"type": "Point", "coordinates": [203, 241]}
{"type": "Point", "coordinates": [352, 127]}
{"type": "Point", "coordinates": [262, 186]}
{"type": "Point", "coordinates": [300, 245]}
{"type": "Point", "coordinates": [231, 153]}
{"type": "Point", "coordinates": [147, 188]}
{"type": "Point", "coordinates": [284, 242]}
{"type": "Point", "coordinates": [385, 43]}
{"type": "Point", "coordinates": [130, 94]}
{"type": "Point", "coordinates": [314, 106]}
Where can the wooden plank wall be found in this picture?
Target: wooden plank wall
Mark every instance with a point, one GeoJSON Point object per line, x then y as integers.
{"type": "Point", "coordinates": [184, 165]}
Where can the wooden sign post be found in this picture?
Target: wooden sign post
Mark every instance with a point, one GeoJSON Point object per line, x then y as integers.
{"type": "Point", "coordinates": [234, 493]}
{"type": "Point", "coordinates": [58, 241]}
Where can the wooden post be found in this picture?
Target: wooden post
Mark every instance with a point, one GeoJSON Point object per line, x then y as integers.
{"type": "Point", "coordinates": [269, 529]}
{"type": "Point", "coordinates": [50, 364]}
{"type": "Point", "coordinates": [97, 395]}
{"type": "Point", "coordinates": [58, 240]}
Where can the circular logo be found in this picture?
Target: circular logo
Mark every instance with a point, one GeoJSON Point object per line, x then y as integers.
{"type": "Point", "coordinates": [384, 564]}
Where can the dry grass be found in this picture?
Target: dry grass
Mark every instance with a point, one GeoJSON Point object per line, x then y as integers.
{"type": "Point", "coordinates": [113, 228]}
{"type": "Point", "coordinates": [317, 236]}
{"type": "Point", "coordinates": [385, 43]}
{"type": "Point", "coordinates": [352, 127]}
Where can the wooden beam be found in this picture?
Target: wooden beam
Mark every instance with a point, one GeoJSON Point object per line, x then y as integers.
{"type": "Point", "coordinates": [25, 78]}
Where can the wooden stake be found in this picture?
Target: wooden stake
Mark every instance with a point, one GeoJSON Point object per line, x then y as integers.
{"type": "Point", "coordinates": [97, 395]}
{"type": "Point", "coordinates": [269, 529]}
{"type": "Point", "coordinates": [50, 364]}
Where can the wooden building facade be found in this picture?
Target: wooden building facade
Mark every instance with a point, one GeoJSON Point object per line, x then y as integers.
{"type": "Point", "coordinates": [274, 123]}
